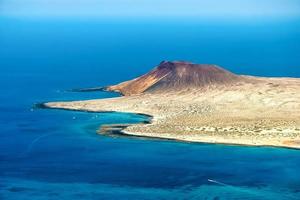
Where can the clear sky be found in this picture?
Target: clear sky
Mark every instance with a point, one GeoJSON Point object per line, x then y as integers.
{"type": "Point", "coordinates": [151, 8]}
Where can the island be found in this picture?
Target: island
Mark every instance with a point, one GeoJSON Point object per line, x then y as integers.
{"type": "Point", "coordinates": [205, 103]}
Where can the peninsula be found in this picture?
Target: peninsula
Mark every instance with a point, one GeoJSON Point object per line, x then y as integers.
{"type": "Point", "coordinates": [206, 103]}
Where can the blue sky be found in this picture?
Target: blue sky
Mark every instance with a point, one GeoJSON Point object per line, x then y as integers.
{"type": "Point", "coordinates": [150, 8]}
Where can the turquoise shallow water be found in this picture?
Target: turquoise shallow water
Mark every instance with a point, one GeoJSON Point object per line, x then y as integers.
{"type": "Point", "coordinates": [55, 154]}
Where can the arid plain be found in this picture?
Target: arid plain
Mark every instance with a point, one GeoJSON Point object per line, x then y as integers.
{"type": "Point", "coordinates": [205, 103]}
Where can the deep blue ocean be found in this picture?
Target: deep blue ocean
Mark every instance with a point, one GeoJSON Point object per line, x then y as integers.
{"type": "Point", "coordinates": [56, 154]}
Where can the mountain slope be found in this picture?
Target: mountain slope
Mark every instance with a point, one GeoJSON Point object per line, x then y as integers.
{"type": "Point", "coordinates": [176, 75]}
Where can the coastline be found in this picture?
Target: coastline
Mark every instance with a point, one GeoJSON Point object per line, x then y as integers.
{"type": "Point", "coordinates": [254, 111]}
{"type": "Point", "coordinates": [122, 132]}
{"type": "Point", "coordinates": [200, 141]}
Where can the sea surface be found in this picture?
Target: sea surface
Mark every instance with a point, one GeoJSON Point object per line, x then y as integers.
{"type": "Point", "coordinates": [56, 154]}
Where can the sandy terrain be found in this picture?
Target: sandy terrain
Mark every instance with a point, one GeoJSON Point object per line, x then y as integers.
{"type": "Point", "coordinates": [259, 111]}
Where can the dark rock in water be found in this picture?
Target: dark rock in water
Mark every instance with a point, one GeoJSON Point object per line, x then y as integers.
{"type": "Point", "coordinates": [115, 129]}
{"type": "Point", "coordinates": [39, 106]}
{"type": "Point", "coordinates": [112, 128]}
{"type": "Point", "coordinates": [18, 189]}
{"type": "Point", "coordinates": [94, 89]}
